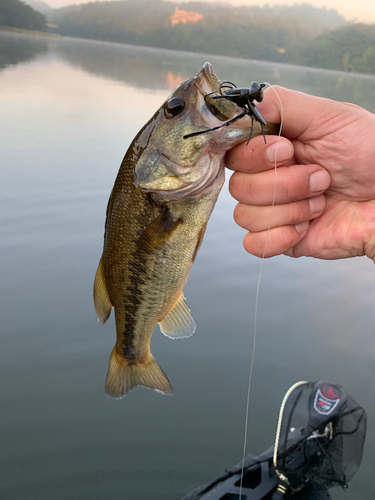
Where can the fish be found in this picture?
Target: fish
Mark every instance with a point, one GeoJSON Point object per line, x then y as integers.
{"type": "Point", "coordinates": [157, 214]}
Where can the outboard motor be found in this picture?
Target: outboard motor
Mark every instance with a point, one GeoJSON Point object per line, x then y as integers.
{"type": "Point", "coordinates": [319, 444]}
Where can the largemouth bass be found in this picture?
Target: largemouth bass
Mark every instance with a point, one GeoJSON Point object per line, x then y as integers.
{"type": "Point", "coordinates": [163, 196]}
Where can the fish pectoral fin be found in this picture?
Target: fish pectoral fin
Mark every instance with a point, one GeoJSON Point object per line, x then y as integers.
{"type": "Point", "coordinates": [178, 323]}
{"type": "Point", "coordinates": [122, 377]}
{"type": "Point", "coordinates": [199, 242]}
{"type": "Point", "coordinates": [157, 234]}
{"type": "Point", "coordinates": [102, 302]}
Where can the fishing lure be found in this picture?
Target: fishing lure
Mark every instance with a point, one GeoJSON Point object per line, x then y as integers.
{"type": "Point", "coordinates": [244, 98]}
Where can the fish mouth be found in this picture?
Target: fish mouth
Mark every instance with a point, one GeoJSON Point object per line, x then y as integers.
{"type": "Point", "coordinates": [180, 183]}
{"type": "Point", "coordinates": [211, 103]}
{"type": "Point", "coordinates": [175, 168]}
{"type": "Point", "coordinates": [209, 76]}
{"type": "Point", "coordinates": [171, 169]}
{"type": "Point", "coordinates": [181, 189]}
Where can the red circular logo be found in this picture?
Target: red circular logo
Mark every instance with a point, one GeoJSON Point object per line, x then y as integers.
{"type": "Point", "coordinates": [330, 392]}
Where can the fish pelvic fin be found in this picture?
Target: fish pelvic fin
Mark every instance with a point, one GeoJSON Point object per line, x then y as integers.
{"type": "Point", "coordinates": [178, 323]}
{"type": "Point", "coordinates": [122, 377]}
{"type": "Point", "coordinates": [102, 302]}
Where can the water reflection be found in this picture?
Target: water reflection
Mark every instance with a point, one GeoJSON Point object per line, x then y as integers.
{"type": "Point", "coordinates": [153, 69]}
{"type": "Point", "coordinates": [173, 80]}
{"type": "Point", "coordinates": [134, 65]}
{"type": "Point", "coordinates": [16, 49]}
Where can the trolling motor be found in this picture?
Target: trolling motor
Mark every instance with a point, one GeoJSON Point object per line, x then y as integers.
{"type": "Point", "coordinates": [319, 444]}
{"type": "Point", "coordinates": [328, 450]}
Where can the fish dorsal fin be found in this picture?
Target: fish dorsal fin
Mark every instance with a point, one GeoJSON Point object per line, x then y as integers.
{"type": "Point", "coordinates": [157, 234]}
{"type": "Point", "coordinates": [178, 323]}
{"type": "Point", "coordinates": [102, 302]}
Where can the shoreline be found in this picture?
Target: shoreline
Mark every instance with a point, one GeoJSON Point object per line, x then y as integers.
{"type": "Point", "coordinates": [12, 29]}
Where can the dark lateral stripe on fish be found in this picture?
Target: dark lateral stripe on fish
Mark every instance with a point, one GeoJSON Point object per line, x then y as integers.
{"type": "Point", "coordinates": [134, 300]}
{"type": "Point", "coordinates": [154, 237]}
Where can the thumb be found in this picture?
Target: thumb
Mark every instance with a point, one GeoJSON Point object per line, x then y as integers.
{"type": "Point", "coordinates": [297, 111]}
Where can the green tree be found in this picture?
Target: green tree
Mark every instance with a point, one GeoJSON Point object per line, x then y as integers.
{"type": "Point", "coordinates": [343, 49]}
{"type": "Point", "coordinates": [280, 34]}
{"type": "Point", "coordinates": [17, 14]}
{"type": "Point", "coordinates": [366, 63]}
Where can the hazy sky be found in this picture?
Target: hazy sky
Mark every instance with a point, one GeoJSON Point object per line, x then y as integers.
{"type": "Point", "coordinates": [362, 10]}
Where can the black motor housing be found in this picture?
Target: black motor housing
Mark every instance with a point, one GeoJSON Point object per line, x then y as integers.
{"type": "Point", "coordinates": [320, 439]}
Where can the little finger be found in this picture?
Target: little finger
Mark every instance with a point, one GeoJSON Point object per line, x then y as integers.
{"type": "Point", "coordinates": [276, 241]}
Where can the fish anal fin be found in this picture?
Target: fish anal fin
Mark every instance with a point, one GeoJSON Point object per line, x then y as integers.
{"type": "Point", "coordinates": [157, 233]}
{"type": "Point", "coordinates": [122, 376]}
{"type": "Point", "coordinates": [178, 323]}
{"type": "Point", "coordinates": [102, 302]}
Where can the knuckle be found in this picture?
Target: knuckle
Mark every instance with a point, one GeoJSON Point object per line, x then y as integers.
{"type": "Point", "coordinates": [234, 185]}
{"type": "Point", "coordinates": [294, 184]}
{"type": "Point", "coordinates": [298, 212]}
{"type": "Point", "coordinates": [238, 214]}
{"type": "Point", "coordinates": [253, 244]}
{"type": "Point", "coordinates": [290, 191]}
{"type": "Point", "coordinates": [288, 238]}
{"type": "Point", "coordinates": [244, 217]}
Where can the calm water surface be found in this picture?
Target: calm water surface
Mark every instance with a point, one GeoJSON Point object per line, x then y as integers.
{"type": "Point", "coordinates": [68, 111]}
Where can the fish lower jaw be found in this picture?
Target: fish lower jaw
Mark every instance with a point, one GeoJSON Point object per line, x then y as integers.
{"type": "Point", "coordinates": [188, 191]}
{"type": "Point", "coordinates": [205, 175]}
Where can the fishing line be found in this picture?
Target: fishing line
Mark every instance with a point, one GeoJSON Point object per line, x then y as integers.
{"type": "Point", "coordinates": [255, 327]}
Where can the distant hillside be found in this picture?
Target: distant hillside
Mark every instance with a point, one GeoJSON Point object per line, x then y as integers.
{"type": "Point", "coordinates": [17, 14]}
{"type": "Point", "coordinates": [117, 18]}
{"type": "Point", "coordinates": [272, 34]}
{"type": "Point", "coordinates": [313, 20]}
{"type": "Point", "coordinates": [40, 6]}
{"type": "Point", "coordinates": [350, 48]}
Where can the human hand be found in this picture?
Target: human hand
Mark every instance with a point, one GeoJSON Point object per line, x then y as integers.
{"type": "Point", "coordinates": [325, 182]}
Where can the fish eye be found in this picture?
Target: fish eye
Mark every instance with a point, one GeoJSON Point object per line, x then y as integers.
{"type": "Point", "coordinates": [174, 107]}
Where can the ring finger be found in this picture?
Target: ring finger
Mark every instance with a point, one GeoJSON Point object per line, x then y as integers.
{"type": "Point", "coordinates": [256, 218]}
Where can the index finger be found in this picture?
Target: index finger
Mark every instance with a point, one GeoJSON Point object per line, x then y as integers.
{"type": "Point", "coordinates": [258, 156]}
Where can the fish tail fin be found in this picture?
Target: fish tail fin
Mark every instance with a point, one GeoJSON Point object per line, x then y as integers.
{"type": "Point", "coordinates": [123, 377]}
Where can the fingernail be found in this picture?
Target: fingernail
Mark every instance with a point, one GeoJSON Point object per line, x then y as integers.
{"type": "Point", "coordinates": [302, 226]}
{"type": "Point", "coordinates": [319, 181]}
{"type": "Point", "coordinates": [281, 151]}
{"type": "Point", "coordinates": [317, 204]}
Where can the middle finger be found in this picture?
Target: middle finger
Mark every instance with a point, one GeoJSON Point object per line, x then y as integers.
{"type": "Point", "coordinates": [287, 184]}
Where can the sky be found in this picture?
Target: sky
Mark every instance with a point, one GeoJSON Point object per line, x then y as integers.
{"type": "Point", "coordinates": [361, 10]}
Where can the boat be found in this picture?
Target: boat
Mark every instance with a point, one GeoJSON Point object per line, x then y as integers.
{"type": "Point", "coordinates": [319, 444]}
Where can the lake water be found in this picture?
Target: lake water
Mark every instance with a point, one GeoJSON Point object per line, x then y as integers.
{"type": "Point", "coordinates": [68, 111]}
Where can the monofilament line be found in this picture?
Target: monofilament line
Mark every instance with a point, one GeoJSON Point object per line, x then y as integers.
{"type": "Point", "coordinates": [257, 297]}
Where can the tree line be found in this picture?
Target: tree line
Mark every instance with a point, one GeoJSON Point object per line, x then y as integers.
{"type": "Point", "coordinates": [349, 48]}
{"type": "Point", "coordinates": [16, 14]}
{"type": "Point", "coordinates": [299, 34]}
